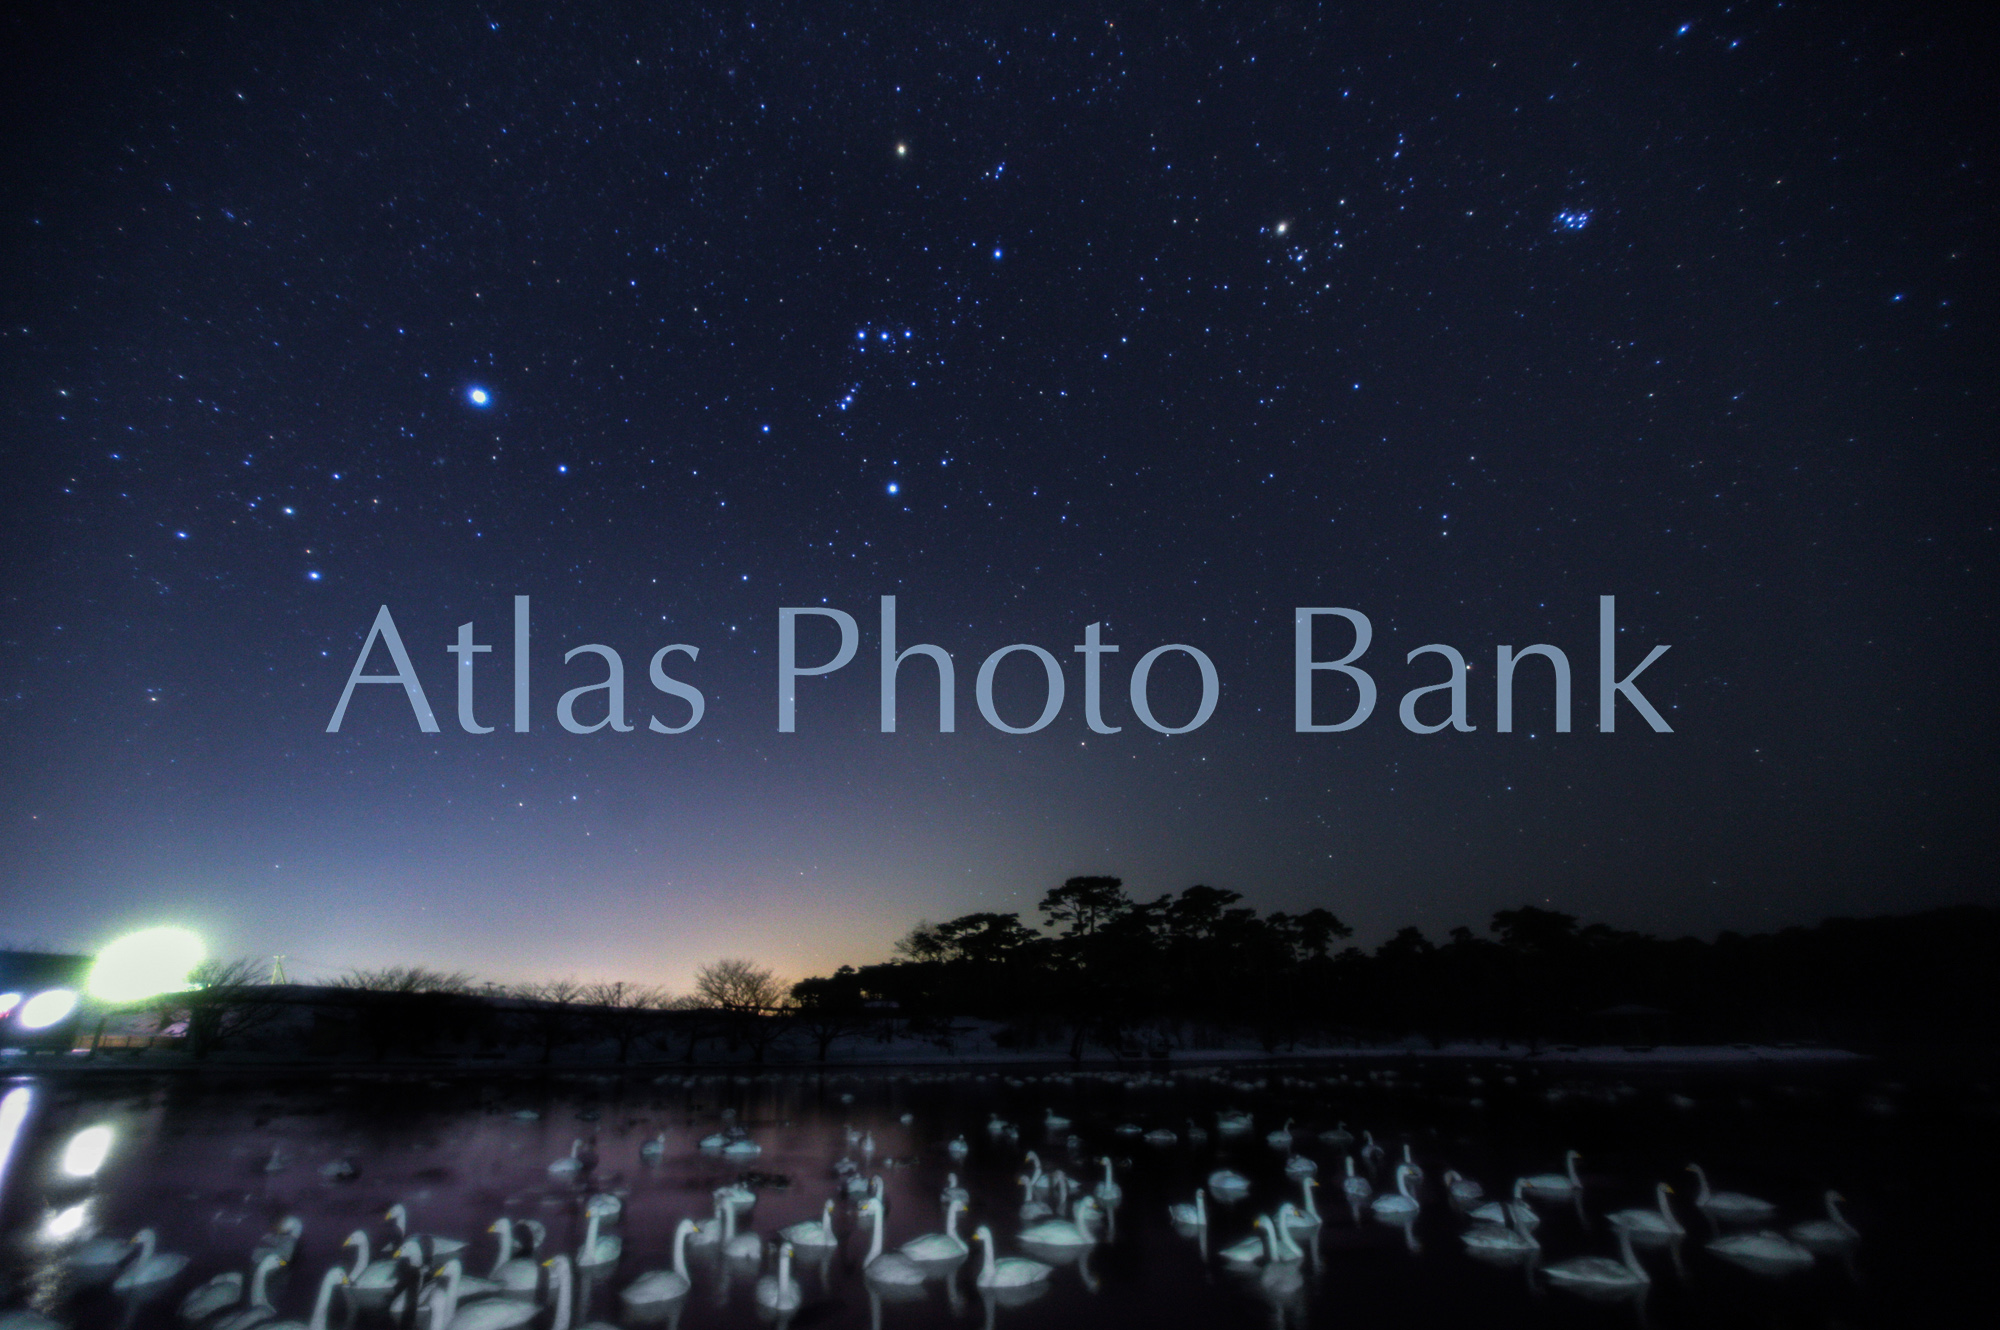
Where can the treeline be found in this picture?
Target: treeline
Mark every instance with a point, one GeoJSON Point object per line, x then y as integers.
{"type": "Point", "coordinates": [1201, 969]}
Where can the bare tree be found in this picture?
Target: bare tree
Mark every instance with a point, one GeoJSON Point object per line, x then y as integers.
{"type": "Point", "coordinates": [227, 999]}
{"type": "Point", "coordinates": [552, 1013]}
{"type": "Point", "coordinates": [624, 1012]}
{"type": "Point", "coordinates": [751, 1000]}
{"type": "Point", "coordinates": [407, 979]}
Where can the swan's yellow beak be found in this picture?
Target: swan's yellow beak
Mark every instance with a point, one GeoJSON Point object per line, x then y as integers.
{"type": "Point", "coordinates": [1670, 1190]}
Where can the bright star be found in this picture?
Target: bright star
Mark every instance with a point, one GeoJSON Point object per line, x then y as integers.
{"type": "Point", "coordinates": [894, 488]}
{"type": "Point", "coordinates": [478, 396]}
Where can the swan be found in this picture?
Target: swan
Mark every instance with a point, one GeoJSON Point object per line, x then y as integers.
{"type": "Point", "coordinates": [743, 1148]}
{"type": "Point", "coordinates": [1601, 1274]}
{"type": "Point", "coordinates": [736, 1246]}
{"type": "Point", "coordinates": [887, 1267]}
{"type": "Point", "coordinates": [1160, 1136]}
{"type": "Point", "coordinates": [958, 1149]}
{"type": "Point", "coordinates": [600, 1249]}
{"type": "Point", "coordinates": [1281, 1139]}
{"type": "Point", "coordinates": [1463, 1190]}
{"type": "Point", "coordinates": [658, 1287]}
{"type": "Point", "coordinates": [485, 1314]}
{"type": "Point", "coordinates": [1301, 1166]}
{"type": "Point", "coordinates": [369, 1283]}
{"type": "Point", "coordinates": [715, 1140]}
{"type": "Point", "coordinates": [1108, 1191]}
{"type": "Point", "coordinates": [1766, 1252]}
{"type": "Point", "coordinates": [1729, 1206]}
{"type": "Point", "coordinates": [150, 1268]}
{"type": "Point", "coordinates": [570, 1164]}
{"type": "Point", "coordinates": [1196, 1133]}
{"type": "Point", "coordinates": [1192, 1214]}
{"type": "Point", "coordinates": [1032, 1209]}
{"type": "Point", "coordinates": [562, 1292]}
{"type": "Point", "coordinates": [514, 1274]}
{"type": "Point", "coordinates": [1829, 1234]}
{"type": "Point", "coordinates": [740, 1196]}
{"type": "Point", "coordinates": [953, 1192]}
{"type": "Point", "coordinates": [1357, 1188]}
{"type": "Point", "coordinates": [1645, 1223]}
{"type": "Point", "coordinates": [1228, 1185]}
{"type": "Point", "coordinates": [604, 1205]}
{"type": "Point", "coordinates": [1399, 1204]}
{"type": "Point", "coordinates": [708, 1232]}
{"type": "Point", "coordinates": [280, 1242]}
{"type": "Point", "coordinates": [1007, 1272]}
{"type": "Point", "coordinates": [1054, 1121]}
{"type": "Point", "coordinates": [653, 1151]}
{"type": "Point", "coordinates": [1283, 1248]}
{"type": "Point", "coordinates": [322, 1304]}
{"type": "Point", "coordinates": [1416, 1169]}
{"type": "Point", "coordinates": [1037, 1180]}
{"type": "Point", "coordinates": [943, 1246]}
{"type": "Point", "coordinates": [1555, 1186]}
{"type": "Point", "coordinates": [225, 1291]}
{"type": "Point", "coordinates": [997, 1125]}
{"type": "Point", "coordinates": [1074, 1232]}
{"type": "Point", "coordinates": [1339, 1137]}
{"type": "Point", "coordinates": [435, 1248]}
{"type": "Point", "coordinates": [1372, 1154]}
{"type": "Point", "coordinates": [1254, 1248]}
{"type": "Point", "coordinates": [780, 1292]}
{"type": "Point", "coordinates": [95, 1260]}
{"type": "Point", "coordinates": [256, 1308]}
{"type": "Point", "coordinates": [1309, 1217]}
{"type": "Point", "coordinates": [1499, 1239]}
{"type": "Point", "coordinates": [1232, 1122]}
{"type": "Point", "coordinates": [812, 1232]}
{"type": "Point", "coordinates": [1515, 1211]}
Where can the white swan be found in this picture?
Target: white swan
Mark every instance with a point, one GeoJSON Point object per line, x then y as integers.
{"type": "Point", "coordinates": [1074, 1232]}
{"type": "Point", "coordinates": [1554, 1186]}
{"type": "Point", "coordinates": [653, 1151]}
{"type": "Point", "coordinates": [1283, 1248]}
{"type": "Point", "coordinates": [1006, 1272]}
{"type": "Point", "coordinates": [958, 1148]}
{"type": "Point", "coordinates": [740, 1195]}
{"type": "Point", "coordinates": [1191, 1214]}
{"type": "Point", "coordinates": [953, 1192]}
{"type": "Point", "coordinates": [150, 1268]}
{"type": "Point", "coordinates": [1031, 1208]}
{"type": "Point", "coordinates": [1259, 1246]}
{"type": "Point", "coordinates": [369, 1283]}
{"type": "Point", "coordinates": [486, 1314]}
{"type": "Point", "coordinates": [1309, 1217]}
{"type": "Point", "coordinates": [887, 1267]}
{"type": "Point", "coordinates": [94, 1261]}
{"type": "Point", "coordinates": [562, 1293]}
{"type": "Point", "coordinates": [256, 1307]}
{"type": "Point", "coordinates": [1463, 1190]}
{"type": "Point", "coordinates": [708, 1232]}
{"type": "Point", "coordinates": [1228, 1185]}
{"type": "Point", "coordinates": [1416, 1169]}
{"type": "Point", "coordinates": [1766, 1252]}
{"type": "Point", "coordinates": [780, 1292]}
{"type": "Point", "coordinates": [1339, 1137]}
{"type": "Point", "coordinates": [1731, 1207]}
{"type": "Point", "coordinates": [1399, 1204]}
{"type": "Point", "coordinates": [1356, 1188]}
{"type": "Point", "coordinates": [514, 1274]}
{"type": "Point", "coordinates": [570, 1164]}
{"type": "Point", "coordinates": [1037, 1180]}
{"type": "Point", "coordinates": [1601, 1274]}
{"type": "Point", "coordinates": [812, 1232]}
{"type": "Point", "coordinates": [599, 1249]}
{"type": "Point", "coordinates": [1108, 1191]}
{"type": "Point", "coordinates": [281, 1242]}
{"type": "Point", "coordinates": [1371, 1153]}
{"type": "Point", "coordinates": [1233, 1122]}
{"type": "Point", "coordinates": [943, 1246]}
{"type": "Point", "coordinates": [743, 1148]}
{"type": "Point", "coordinates": [1054, 1121]}
{"type": "Point", "coordinates": [1160, 1136]}
{"type": "Point", "coordinates": [1499, 1239]}
{"type": "Point", "coordinates": [435, 1248]}
{"type": "Point", "coordinates": [225, 1290]}
{"type": "Point", "coordinates": [322, 1304]}
{"type": "Point", "coordinates": [1281, 1139]}
{"type": "Point", "coordinates": [736, 1246]}
{"type": "Point", "coordinates": [656, 1288]}
{"type": "Point", "coordinates": [1516, 1211]}
{"type": "Point", "coordinates": [1658, 1223]}
{"type": "Point", "coordinates": [1301, 1166]}
{"type": "Point", "coordinates": [1832, 1233]}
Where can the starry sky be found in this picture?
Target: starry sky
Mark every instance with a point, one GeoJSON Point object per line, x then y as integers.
{"type": "Point", "coordinates": [1166, 318]}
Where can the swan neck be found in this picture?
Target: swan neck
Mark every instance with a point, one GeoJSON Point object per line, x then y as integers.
{"type": "Point", "coordinates": [875, 1239]}
{"type": "Point", "coordinates": [359, 1241]}
{"type": "Point", "coordinates": [324, 1302]}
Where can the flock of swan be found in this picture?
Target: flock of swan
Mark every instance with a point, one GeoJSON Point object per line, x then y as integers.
{"type": "Point", "coordinates": [1013, 1241]}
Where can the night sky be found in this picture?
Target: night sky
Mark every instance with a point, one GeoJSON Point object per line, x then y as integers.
{"type": "Point", "coordinates": [1171, 321]}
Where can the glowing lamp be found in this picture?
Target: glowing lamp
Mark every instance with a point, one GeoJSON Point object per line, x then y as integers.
{"type": "Point", "coordinates": [47, 1008]}
{"type": "Point", "coordinates": [86, 1150]}
{"type": "Point", "coordinates": [145, 964]}
{"type": "Point", "coordinates": [8, 1001]}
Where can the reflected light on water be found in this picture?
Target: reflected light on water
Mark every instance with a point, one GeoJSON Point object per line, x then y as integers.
{"type": "Point", "coordinates": [86, 1151]}
{"type": "Point", "coordinates": [13, 1112]}
{"type": "Point", "coordinates": [62, 1225]}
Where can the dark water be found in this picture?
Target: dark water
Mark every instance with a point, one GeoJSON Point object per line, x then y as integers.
{"type": "Point", "coordinates": [192, 1158]}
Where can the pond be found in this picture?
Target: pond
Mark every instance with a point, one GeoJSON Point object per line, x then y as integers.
{"type": "Point", "coordinates": [213, 1165]}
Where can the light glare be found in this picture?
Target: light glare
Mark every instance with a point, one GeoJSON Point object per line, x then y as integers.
{"type": "Point", "coordinates": [45, 1009]}
{"type": "Point", "coordinates": [86, 1152]}
{"type": "Point", "coordinates": [145, 964]}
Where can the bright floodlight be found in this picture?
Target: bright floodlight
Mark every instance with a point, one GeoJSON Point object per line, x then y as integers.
{"type": "Point", "coordinates": [8, 1001]}
{"type": "Point", "coordinates": [86, 1150]}
{"type": "Point", "coordinates": [144, 964]}
{"type": "Point", "coordinates": [45, 1009]}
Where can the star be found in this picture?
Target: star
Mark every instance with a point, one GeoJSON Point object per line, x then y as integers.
{"type": "Point", "coordinates": [478, 396]}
